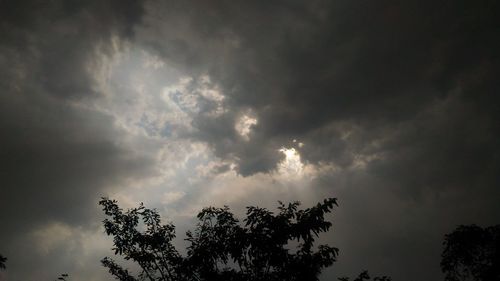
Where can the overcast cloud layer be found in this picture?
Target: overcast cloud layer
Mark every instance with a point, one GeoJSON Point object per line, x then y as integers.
{"type": "Point", "coordinates": [391, 107]}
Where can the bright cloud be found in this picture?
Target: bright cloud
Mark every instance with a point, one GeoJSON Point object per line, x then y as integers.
{"type": "Point", "coordinates": [244, 126]}
{"type": "Point", "coordinates": [291, 165]}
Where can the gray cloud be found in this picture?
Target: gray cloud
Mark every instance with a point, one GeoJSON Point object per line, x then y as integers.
{"type": "Point", "coordinates": [301, 66]}
{"type": "Point", "coordinates": [399, 97]}
{"type": "Point", "coordinates": [56, 157]}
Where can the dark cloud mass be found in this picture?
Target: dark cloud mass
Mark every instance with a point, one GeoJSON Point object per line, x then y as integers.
{"type": "Point", "coordinates": [303, 66]}
{"type": "Point", "coordinates": [401, 98]}
{"type": "Point", "coordinates": [56, 157]}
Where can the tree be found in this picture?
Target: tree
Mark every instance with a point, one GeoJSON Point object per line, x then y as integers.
{"type": "Point", "coordinates": [472, 253]}
{"type": "Point", "coordinates": [365, 276]}
{"type": "Point", "coordinates": [63, 277]}
{"type": "Point", "coordinates": [3, 260]}
{"type": "Point", "coordinates": [264, 247]}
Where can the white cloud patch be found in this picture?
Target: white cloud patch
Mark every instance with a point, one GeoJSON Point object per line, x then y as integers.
{"type": "Point", "coordinates": [244, 126]}
{"type": "Point", "coordinates": [291, 165]}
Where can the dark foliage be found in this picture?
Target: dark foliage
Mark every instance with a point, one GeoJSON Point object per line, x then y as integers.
{"type": "Point", "coordinates": [63, 277]}
{"type": "Point", "coordinates": [3, 260]}
{"type": "Point", "coordinates": [365, 276]}
{"type": "Point", "coordinates": [264, 247]}
{"type": "Point", "coordinates": [472, 253]}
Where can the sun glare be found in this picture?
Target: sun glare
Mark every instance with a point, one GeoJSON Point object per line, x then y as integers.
{"type": "Point", "coordinates": [291, 165]}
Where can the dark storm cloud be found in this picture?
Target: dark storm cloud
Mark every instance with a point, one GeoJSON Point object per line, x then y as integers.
{"type": "Point", "coordinates": [54, 41]}
{"type": "Point", "coordinates": [406, 90]}
{"type": "Point", "coordinates": [57, 157]}
{"type": "Point", "coordinates": [310, 70]}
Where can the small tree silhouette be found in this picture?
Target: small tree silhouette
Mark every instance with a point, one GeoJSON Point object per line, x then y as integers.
{"type": "Point", "coordinates": [3, 260]}
{"type": "Point", "coordinates": [365, 276]}
{"type": "Point", "coordinates": [472, 253]}
{"type": "Point", "coordinates": [63, 277]}
{"type": "Point", "coordinates": [265, 247]}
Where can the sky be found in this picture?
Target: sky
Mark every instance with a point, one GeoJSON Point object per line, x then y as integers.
{"type": "Point", "coordinates": [390, 106]}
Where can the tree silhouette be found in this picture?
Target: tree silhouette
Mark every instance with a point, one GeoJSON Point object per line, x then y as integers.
{"type": "Point", "coordinates": [264, 247]}
{"type": "Point", "coordinates": [63, 277]}
{"type": "Point", "coordinates": [3, 260]}
{"type": "Point", "coordinates": [472, 253]}
{"type": "Point", "coordinates": [365, 276]}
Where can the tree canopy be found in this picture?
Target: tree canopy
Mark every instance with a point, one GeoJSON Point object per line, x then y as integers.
{"type": "Point", "coordinates": [366, 276]}
{"type": "Point", "coordinates": [3, 260]}
{"type": "Point", "coordinates": [472, 253]}
{"type": "Point", "coordinates": [263, 247]}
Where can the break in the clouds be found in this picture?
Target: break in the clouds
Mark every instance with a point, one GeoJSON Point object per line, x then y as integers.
{"type": "Point", "coordinates": [391, 107]}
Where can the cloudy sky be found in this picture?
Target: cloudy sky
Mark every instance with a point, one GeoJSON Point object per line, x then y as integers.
{"type": "Point", "coordinates": [391, 106]}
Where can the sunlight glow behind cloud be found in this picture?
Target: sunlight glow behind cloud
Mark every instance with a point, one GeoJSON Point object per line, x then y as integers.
{"type": "Point", "coordinates": [291, 165]}
{"type": "Point", "coordinates": [244, 126]}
